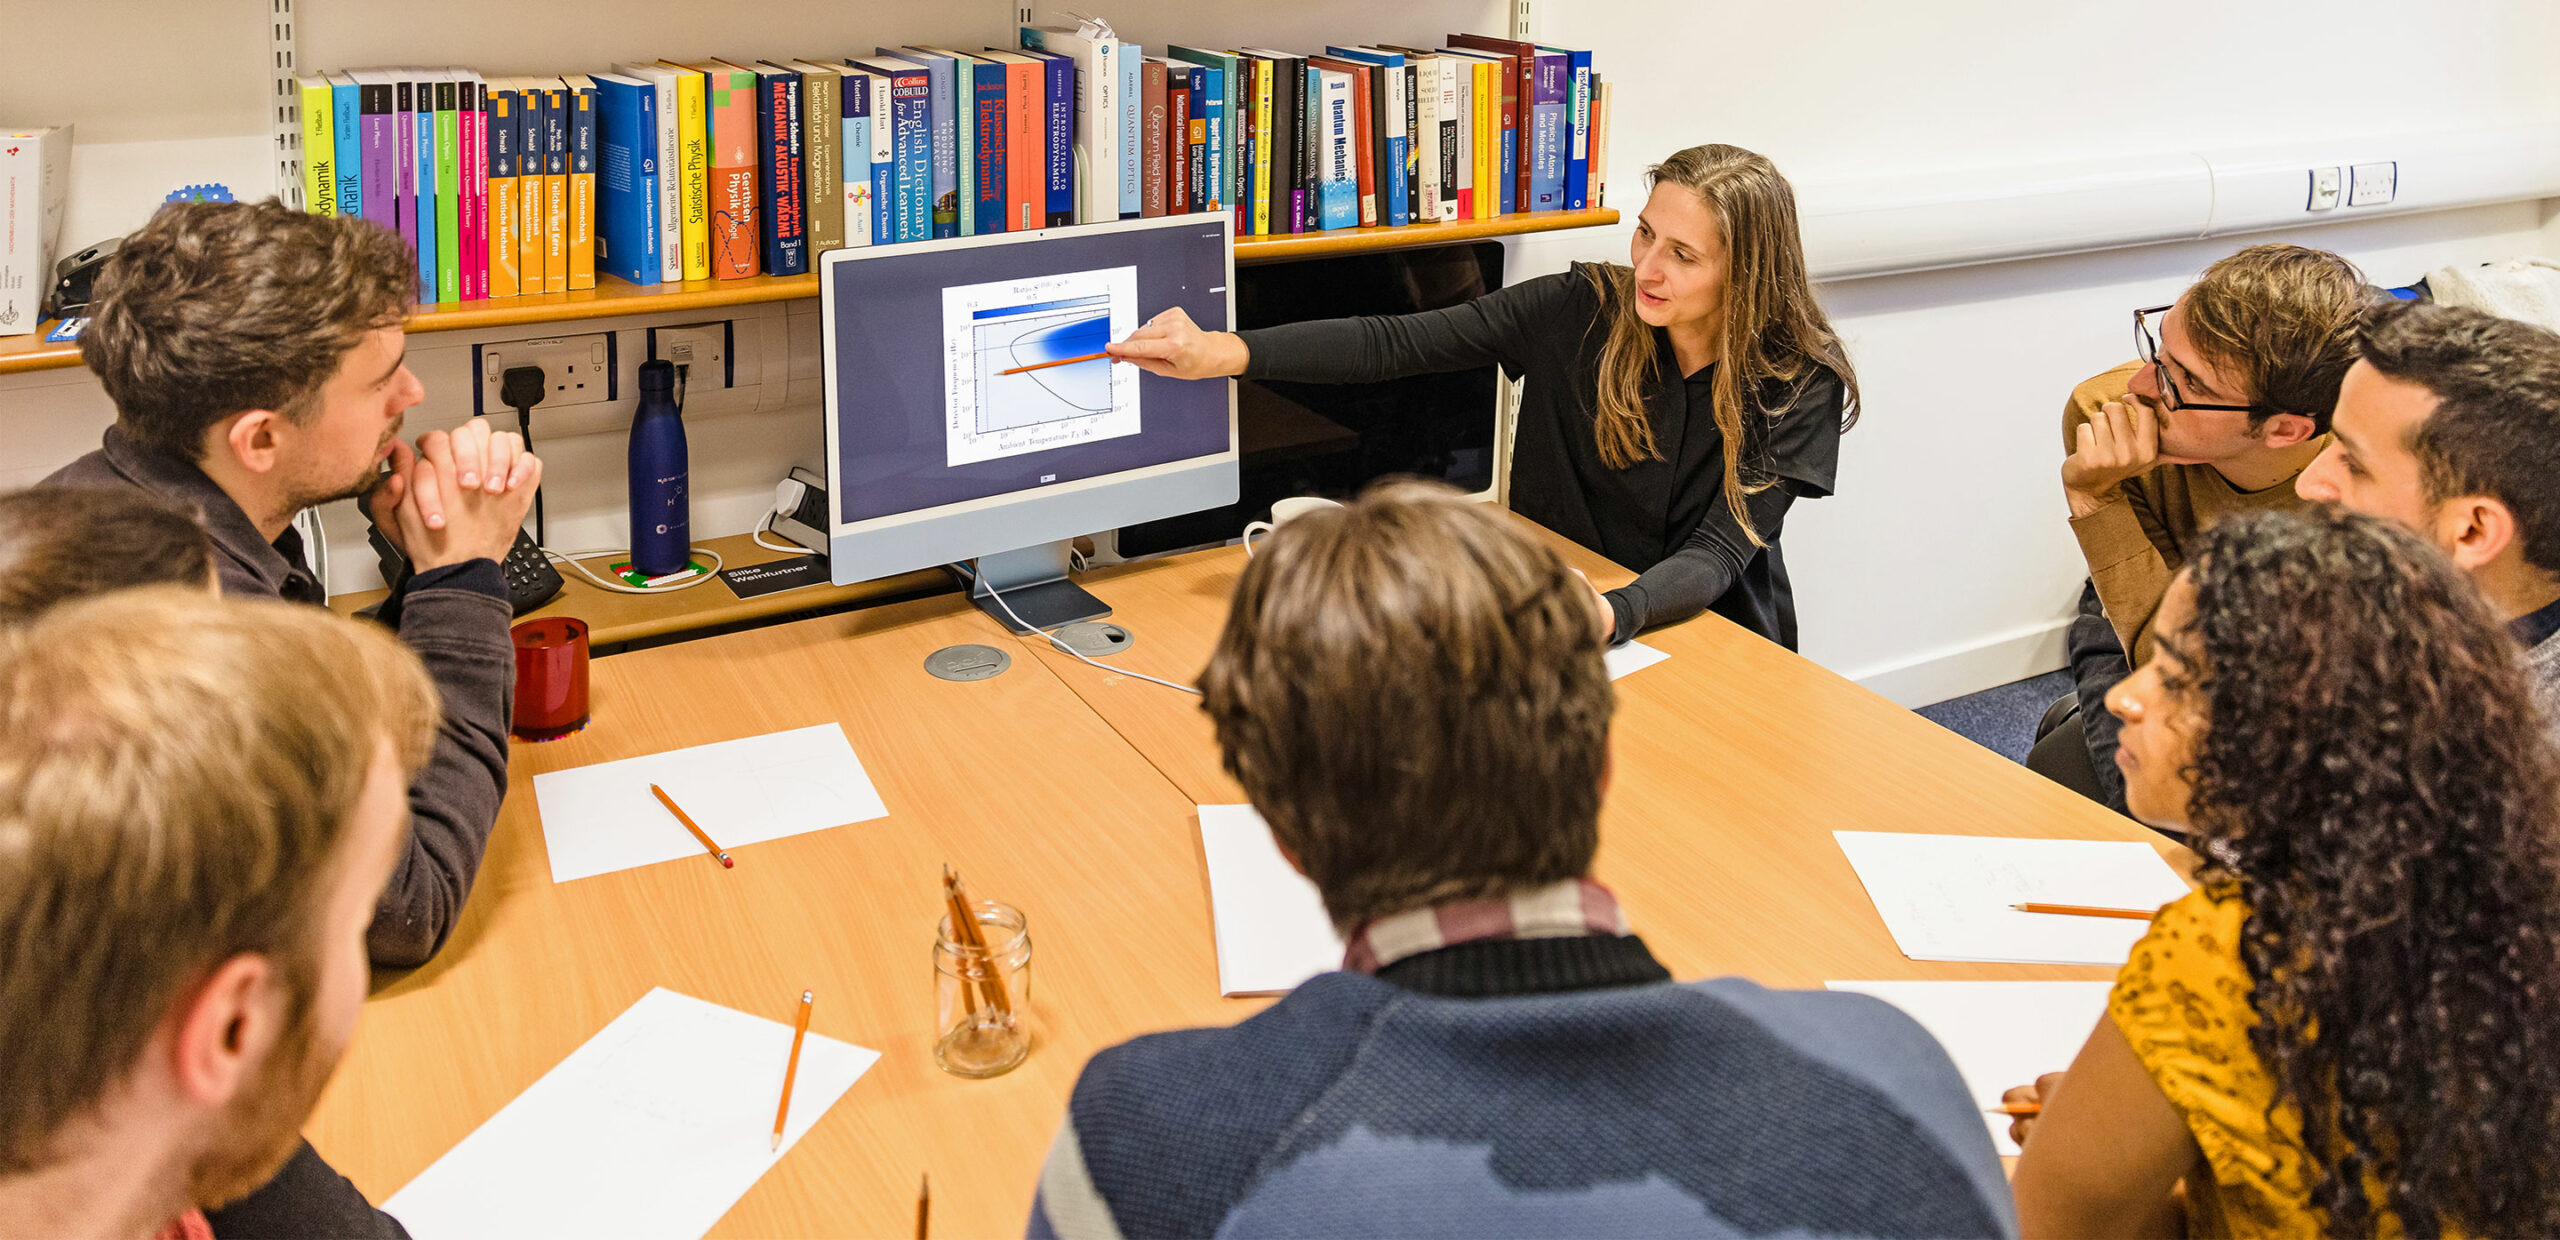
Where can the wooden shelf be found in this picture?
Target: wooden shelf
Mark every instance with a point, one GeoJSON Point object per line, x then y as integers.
{"type": "Point", "coordinates": [612, 298]}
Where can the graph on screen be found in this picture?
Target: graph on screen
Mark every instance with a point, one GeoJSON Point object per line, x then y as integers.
{"type": "Point", "coordinates": [1021, 371]}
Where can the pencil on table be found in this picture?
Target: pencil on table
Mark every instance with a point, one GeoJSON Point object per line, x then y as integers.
{"type": "Point", "coordinates": [791, 1073]}
{"type": "Point", "coordinates": [924, 1204]}
{"type": "Point", "coordinates": [687, 819]}
{"type": "Point", "coordinates": [2086, 910]}
{"type": "Point", "coordinates": [1064, 361]}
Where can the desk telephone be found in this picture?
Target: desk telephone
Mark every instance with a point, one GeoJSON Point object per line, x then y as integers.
{"type": "Point", "coordinates": [531, 581]}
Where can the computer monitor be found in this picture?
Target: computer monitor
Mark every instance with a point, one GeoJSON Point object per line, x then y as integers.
{"type": "Point", "coordinates": [968, 417]}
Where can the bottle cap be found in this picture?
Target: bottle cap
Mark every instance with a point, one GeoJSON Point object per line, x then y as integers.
{"type": "Point", "coordinates": [658, 376]}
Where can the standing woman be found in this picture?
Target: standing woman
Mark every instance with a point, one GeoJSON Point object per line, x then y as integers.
{"type": "Point", "coordinates": [2353, 1027]}
{"type": "Point", "coordinates": [1673, 410]}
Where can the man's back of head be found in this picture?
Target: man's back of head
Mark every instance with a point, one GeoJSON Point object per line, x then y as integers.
{"type": "Point", "coordinates": [199, 801]}
{"type": "Point", "coordinates": [58, 544]}
{"type": "Point", "coordinates": [1411, 690]}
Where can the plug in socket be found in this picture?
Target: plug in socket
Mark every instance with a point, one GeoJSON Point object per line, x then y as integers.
{"type": "Point", "coordinates": [577, 370]}
{"type": "Point", "coordinates": [705, 350]}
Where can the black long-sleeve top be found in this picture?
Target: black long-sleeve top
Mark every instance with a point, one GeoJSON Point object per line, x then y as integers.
{"type": "Point", "coordinates": [1665, 518]}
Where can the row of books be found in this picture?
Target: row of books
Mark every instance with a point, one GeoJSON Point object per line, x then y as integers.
{"type": "Point", "coordinates": [491, 181]}
{"type": "Point", "coordinates": [665, 171]}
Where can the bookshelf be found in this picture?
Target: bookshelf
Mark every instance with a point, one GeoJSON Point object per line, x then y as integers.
{"type": "Point", "coordinates": [613, 298]}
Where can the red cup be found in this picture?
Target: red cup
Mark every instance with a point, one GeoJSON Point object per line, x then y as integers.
{"type": "Point", "coordinates": [551, 677]}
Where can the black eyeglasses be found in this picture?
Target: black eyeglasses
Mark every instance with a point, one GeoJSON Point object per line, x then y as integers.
{"type": "Point", "coordinates": [2148, 343]}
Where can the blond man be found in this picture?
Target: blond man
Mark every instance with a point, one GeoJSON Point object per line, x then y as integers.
{"type": "Point", "coordinates": [200, 801]}
{"type": "Point", "coordinates": [1412, 692]}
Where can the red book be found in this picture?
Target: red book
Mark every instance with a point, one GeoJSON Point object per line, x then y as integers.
{"type": "Point", "coordinates": [1519, 95]}
{"type": "Point", "coordinates": [1151, 122]}
{"type": "Point", "coordinates": [1026, 135]}
{"type": "Point", "coordinates": [1177, 164]}
{"type": "Point", "coordinates": [729, 109]}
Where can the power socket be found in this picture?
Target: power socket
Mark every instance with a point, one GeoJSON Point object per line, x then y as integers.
{"type": "Point", "coordinates": [2371, 185]}
{"type": "Point", "coordinates": [705, 350]}
{"type": "Point", "coordinates": [576, 370]}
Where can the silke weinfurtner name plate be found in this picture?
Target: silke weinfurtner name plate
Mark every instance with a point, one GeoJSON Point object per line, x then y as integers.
{"type": "Point", "coordinates": [755, 580]}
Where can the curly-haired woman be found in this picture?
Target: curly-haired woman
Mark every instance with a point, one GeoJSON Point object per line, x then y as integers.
{"type": "Point", "coordinates": [2353, 1028]}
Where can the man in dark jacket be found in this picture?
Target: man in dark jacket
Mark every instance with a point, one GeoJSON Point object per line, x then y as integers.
{"type": "Point", "coordinates": [257, 364]}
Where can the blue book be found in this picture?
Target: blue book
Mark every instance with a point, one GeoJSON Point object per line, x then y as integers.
{"type": "Point", "coordinates": [1393, 174]}
{"type": "Point", "coordinates": [1195, 156]}
{"type": "Point", "coordinates": [1133, 128]}
{"type": "Point", "coordinates": [854, 162]}
{"type": "Point", "coordinates": [943, 76]}
{"type": "Point", "coordinates": [627, 237]}
{"type": "Point", "coordinates": [425, 184]}
{"type": "Point", "coordinates": [346, 112]}
{"type": "Point", "coordinates": [782, 152]}
{"type": "Point", "coordinates": [992, 162]}
{"type": "Point", "coordinates": [1226, 107]}
{"type": "Point", "coordinates": [1577, 164]}
{"type": "Point", "coordinates": [965, 75]}
{"type": "Point", "coordinates": [1058, 107]}
{"type": "Point", "coordinates": [1337, 162]}
{"type": "Point", "coordinates": [1550, 114]}
{"type": "Point", "coordinates": [911, 155]}
{"type": "Point", "coordinates": [1209, 97]}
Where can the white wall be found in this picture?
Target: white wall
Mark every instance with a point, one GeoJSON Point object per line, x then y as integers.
{"type": "Point", "coordinates": [1944, 565]}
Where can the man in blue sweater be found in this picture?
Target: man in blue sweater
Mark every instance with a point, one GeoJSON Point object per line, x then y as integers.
{"type": "Point", "coordinates": [1411, 691]}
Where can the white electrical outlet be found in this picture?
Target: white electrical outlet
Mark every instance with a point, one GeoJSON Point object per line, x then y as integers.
{"type": "Point", "coordinates": [2324, 188]}
{"type": "Point", "coordinates": [2373, 184]}
{"type": "Point", "coordinates": [576, 370]}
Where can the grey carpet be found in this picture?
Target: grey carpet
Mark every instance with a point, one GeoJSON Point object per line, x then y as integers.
{"type": "Point", "coordinates": [2003, 718]}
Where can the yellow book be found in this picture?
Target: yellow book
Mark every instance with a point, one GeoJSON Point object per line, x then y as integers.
{"type": "Point", "coordinates": [693, 170]}
{"type": "Point", "coordinates": [579, 214]}
{"type": "Point", "coordinates": [532, 248]}
{"type": "Point", "coordinates": [504, 237]}
{"type": "Point", "coordinates": [555, 190]}
{"type": "Point", "coordinates": [1488, 139]}
{"type": "Point", "coordinates": [319, 146]}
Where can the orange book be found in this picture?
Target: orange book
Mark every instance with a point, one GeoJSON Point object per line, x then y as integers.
{"type": "Point", "coordinates": [503, 239]}
{"type": "Point", "coordinates": [578, 217]}
{"type": "Point", "coordinates": [533, 249]}
{"type": "Point", "coordinates": [729, 110]}
{"type": "Point", "coordinates": [1026, 136]}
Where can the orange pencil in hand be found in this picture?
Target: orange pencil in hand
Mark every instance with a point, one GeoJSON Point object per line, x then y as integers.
{"type": "Point", "coordinates": [1064, 361]}
{"type": "Point", "coordinates": [687, 819]}
{"type": "Point", "coordinates": [791, 1074]}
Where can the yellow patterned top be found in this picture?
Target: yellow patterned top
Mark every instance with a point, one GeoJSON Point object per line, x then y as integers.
{"type": "Point", "coordinates": [2183, 1002]}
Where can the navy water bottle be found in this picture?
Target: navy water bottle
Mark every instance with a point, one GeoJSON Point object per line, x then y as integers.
{"type": "Point", "coordinates": [661, 517]}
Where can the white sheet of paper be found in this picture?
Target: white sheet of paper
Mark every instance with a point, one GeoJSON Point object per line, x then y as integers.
{"type": "Point", "coordinates": [650, 1131]}
{"type": "Point", "coordinates": [1272, 929]}
{"type": "Point", "coordinates": [601, 818]}
{"type": "Point", "coordinates": [1947, 897]}
{"type": "Point", "coordinates": [1631, 658]}
{"type": "Point", "coordinates": [2001, 1034]}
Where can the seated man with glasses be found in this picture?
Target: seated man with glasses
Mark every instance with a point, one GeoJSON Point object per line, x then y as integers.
{"type": "Point", "coordinates": [2230, 400]}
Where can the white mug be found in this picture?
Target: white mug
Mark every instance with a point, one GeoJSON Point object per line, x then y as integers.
{"type": "Point", "coordinates": [1281, 512]}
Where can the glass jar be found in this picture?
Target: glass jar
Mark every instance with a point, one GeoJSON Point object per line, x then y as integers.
{"type": "Point", "coordinates": [981, 995]}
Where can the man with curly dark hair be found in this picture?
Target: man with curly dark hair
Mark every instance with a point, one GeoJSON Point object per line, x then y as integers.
{"type": "Point", "coordinates": [2449, 423]}
{"type": "Point", "coordinates": [2352, 1028]}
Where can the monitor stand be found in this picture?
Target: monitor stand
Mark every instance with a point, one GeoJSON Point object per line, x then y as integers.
{"type": "Point", "coordinates": [1034, 584]}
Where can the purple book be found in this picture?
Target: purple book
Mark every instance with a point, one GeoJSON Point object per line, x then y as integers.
{"type": "Point", "coordinates": [374, 141]}
{"type": "Point", "coordinates": [404, 177]}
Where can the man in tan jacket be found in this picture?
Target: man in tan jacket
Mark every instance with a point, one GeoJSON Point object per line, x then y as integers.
{"type": "Point", "coordinates": [2229, 401]}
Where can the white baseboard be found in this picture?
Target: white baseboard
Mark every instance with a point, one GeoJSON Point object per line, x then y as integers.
{"type": "Point", "coordinates": [1954, 672]}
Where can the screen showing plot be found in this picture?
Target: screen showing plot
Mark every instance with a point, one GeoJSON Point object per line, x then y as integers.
{"type": "Point", "coordinates": [1021, 371]}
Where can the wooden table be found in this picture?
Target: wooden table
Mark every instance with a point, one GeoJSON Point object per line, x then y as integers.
{"type": "Point", "coordinates": [1068, 791]}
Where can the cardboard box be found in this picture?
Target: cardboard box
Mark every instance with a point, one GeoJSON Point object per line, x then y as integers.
{"type": "Point", "coordinates": [35, 176]}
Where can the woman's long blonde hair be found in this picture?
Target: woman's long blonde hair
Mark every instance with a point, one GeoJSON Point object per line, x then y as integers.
{"type": "Point", "coordinates": [1774, 332]}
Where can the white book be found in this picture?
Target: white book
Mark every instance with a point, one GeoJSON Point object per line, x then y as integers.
{"type": "Point", "coordinates": [1098, 116]}
{"type": "Point", "coordinates": [662, 81]}
{"type": "Point", "coordinates": [882, 150]}
{"type": "Point", "coordinates": [1426, 137]}
{"type": "Point", "coordinates": [35, 177]}
{"type": "Point", "coordinates": [1454, 157]}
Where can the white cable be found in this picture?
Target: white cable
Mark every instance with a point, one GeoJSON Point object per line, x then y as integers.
{"type": "Point", "coordinates": [787, 548]}
{"type": "Point", "coordinates": [571, 559]}
{"type": "Point", "coordinates": [998, 596]}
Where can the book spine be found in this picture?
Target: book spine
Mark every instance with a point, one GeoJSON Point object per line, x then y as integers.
{"type": "Point", "coordinates": [1426, 141]}
{"type": "Point", "coordinates": [581, 208]}
{"type": "Point", "coordinates": [857, 161]}
{"type": "Point", "coordinates": [1058, 95]}
{"type": "Point", "coordinates": [555, 191]}
{"type": "Point", "coordinates": [670, 154]}
{"type": "Point", "coordinates": [1266, 88]}
{"type": "Point", "coordinates": [1339, 188]}
{"type": "Point", "coordinates": [404, 165]}
{"type": "Point", "coordinates": [946, 150]}
{"type": "Point", "coordinates": [693, 165]}
{"type": "Point", "coordinates": [786, 230]}
{"type": "Point", "coordinates": [1549, 115]}
{"type": "Point", "coordinates": [422, 131]}
{"type": "Point", "coordinates": [1203, 183]}
{"type": "Point", "coordinates": [822, 137]}
{"type": "Point", "coordinates": [1131, 59]}
{"type": "Point", "coordinates": [1577, 168]}
{"type": "Point", "coordinates": [1177, 145]}
{"type": "Point", "coordinates": [1355, 87]}
{"type": "Point", "coordinates": [1026, 131]}
{"type": "Point", "coordinates": [884, 166]}
{"type": "Point", "coordinates": [1488, 139]}
{"type": "Point", "coordinates": [911, 107]}
{"type": "Point", "coordinates": [319, 148]}
{"type": "Point", "coordinates": [1399, 131]}
{"type": "Point", "coordinates": [1151, 137]}
{"type": "Point", "coordinates": [533, 192]}
{"type": "Point", "coordinates": [1510, 166]}
{"type": "Point", "coordinates": [448, 192]}
{"type": "Point", "coordinates": [626, 233]}
{"type": "Point", "coordinates": [991, 148]}
{"type": "Point", "coordinates": [730, 100]}
{"type": "Point", "coordinates": [380, 188]}
{"type": "Point", "coordinates": [1215, 191]}
{"type": "Point", "coordinates": [472, 125]}
{"type": "Point", "coordinates": [1601, 110]}
{"type": "Point", "coordinates": [504, 273]}
{"type": "Point", "coordinates": [346, 112]}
